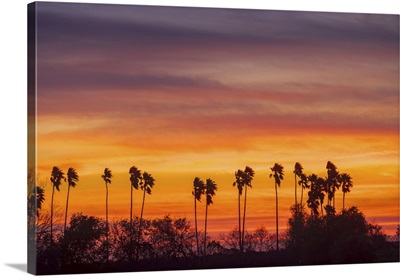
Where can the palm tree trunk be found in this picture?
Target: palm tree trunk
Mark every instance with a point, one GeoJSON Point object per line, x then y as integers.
{"type": "Point", "coordinates": [301, 199]}
{"type": "Point", "coordinates": [244, 215]}
{"type": "Point", "coordinates": [195, 226]}
{"type": "Point", "coordinates": [66, 211]}
{"type": "Point", "coordinates": [107, 221]}
{"type": "Point", "coordinates": [51, 217]}
{"type": "Point", "coordinates": [295, 191]}
{"type": "Point", "coordinates": [343, 200]}
{"type": "Point", "coordinates": [205, 231]}
{"type": "Point", "coordinates": [276, 195]}
{"type": "Point", "coordinates": [333, 200]}
{"type": "Point", "coordinates": [140, 225]}
{"type": "Point", "coordinates": [240, 233]}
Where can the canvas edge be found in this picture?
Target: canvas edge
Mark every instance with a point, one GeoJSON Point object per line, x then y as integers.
{"type": "Point", "coordinates": [31, 131]}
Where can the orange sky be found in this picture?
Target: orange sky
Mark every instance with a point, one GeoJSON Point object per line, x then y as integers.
{"type": "Point", "coordinates": [374, 172]}
{"type": "Point", "coordinates": [202, 92]}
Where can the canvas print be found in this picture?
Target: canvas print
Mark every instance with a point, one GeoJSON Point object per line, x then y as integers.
{"type": "Point", "coordinates": [178, 138]}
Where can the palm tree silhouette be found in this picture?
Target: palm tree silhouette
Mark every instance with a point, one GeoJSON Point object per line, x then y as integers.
{"type": "Point", "coordinates": [303, 182]}
{"type": "Point", "coordinates": [248, 177]}
{"type": "Point", "coordinates": [277, 173]}
{"type": "Point", "coordinates": [39, 198]}
{"type": "Point", "coordinates": [35, 199]}
{"type": "Point", "coordinates": [107, 180]}
{"type": "Point", "coordinates": [146, 185]}
{"type": "Point", "coordinates": [331, 182]}
{"type": "Point", "coordinates": [239, 183]}
{"type": "Point", "coordinates": [56, 176]}
{"type": "Point", "coordinates": [298, 171]}
{"type": "Point", "coordinates": [198, 190]}
{"type": "Point", "coordinates": [316, 194]}
{"type": "Point", "coordinates": [211, 188]}
{"type": "Point", "coordinates": [321, 184]}
{"type": "Point", "coordinates": [346, 182]}
{"type": "Point", "coordinates": [312, 201]}
{"type": "Point", "coordinates": [72, 178]}
{"type": "Point", "coordinates": [136, 179]}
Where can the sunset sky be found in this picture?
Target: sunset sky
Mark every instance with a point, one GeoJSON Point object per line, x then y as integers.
{"type": "Point", "coordinates": [184, 92]}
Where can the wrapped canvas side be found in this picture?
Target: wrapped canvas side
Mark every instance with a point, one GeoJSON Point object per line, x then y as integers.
{"type": "Point", "coordinates": [31, 185]}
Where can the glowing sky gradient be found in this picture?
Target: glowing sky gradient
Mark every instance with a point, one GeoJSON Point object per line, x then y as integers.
{"type": "Point", "coordinates": [184, 92]}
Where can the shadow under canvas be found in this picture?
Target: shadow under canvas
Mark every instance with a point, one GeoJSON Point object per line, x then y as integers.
{"type": "Point", "coordinates": [21, 267]}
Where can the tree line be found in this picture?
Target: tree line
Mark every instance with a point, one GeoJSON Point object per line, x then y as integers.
{"type": "Point", "coordinates": [319, 189]}
{"type": "Point", "coordinates": [139, 239]}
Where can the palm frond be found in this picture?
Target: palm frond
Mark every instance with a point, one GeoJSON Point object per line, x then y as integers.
{"type": "Point", "coordinates": [148, 182]}
{"type": "Point", "coordinates": [278, 173]}
{"type": "Point", "coordinates": [56, 176]}
{"type": "Point", "coordinates": [72, 177]}
{"type": "Point", "coordinates": [211, 188]}
{"type": "Point", "coordinates": [239, 183]}
{"type": "Point", "coordinates": [136, 177]}
{"type": "Point", "coordinates": [107, 176]}
{"type": "Point", "coordinates": [199, 188]}
{"type": "Point", "coordinates": [298, 169]}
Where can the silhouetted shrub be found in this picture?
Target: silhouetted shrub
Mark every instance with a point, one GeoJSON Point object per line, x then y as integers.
{"type": "Point", "coordinates": [335, 238]}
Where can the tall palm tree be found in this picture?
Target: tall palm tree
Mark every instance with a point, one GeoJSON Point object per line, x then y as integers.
{"type": "Point", "coordinates": [146, 185]}
{"type": "Point", "coordinates": [107, 180]}
{"type": "Point", "coordinates": [331, 182]}
{"type": "Point", "coordinates": [298, 171]}
{"type": "Point", "coordinates": [211, 188]}
{"type": "Point", "coordinates": [198, 190]}
{"type": "Point", "coordinates": [56, 176]}
{"type": "Point", "coordinates": [346, 183]}
{"type": "Point", "coordinates": [135, 179]}
{"type": "Point", "coordinates": [248, 177]}
{"type": "Point", "coordinates": [72, 178]}
{"type": "Point", "coordinates": [239, 183]}
{"type": "Point", "coordinates": [277, 173]}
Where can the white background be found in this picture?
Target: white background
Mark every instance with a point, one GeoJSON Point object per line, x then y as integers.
{"type": "Point", "coordinates": [13, 108]}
